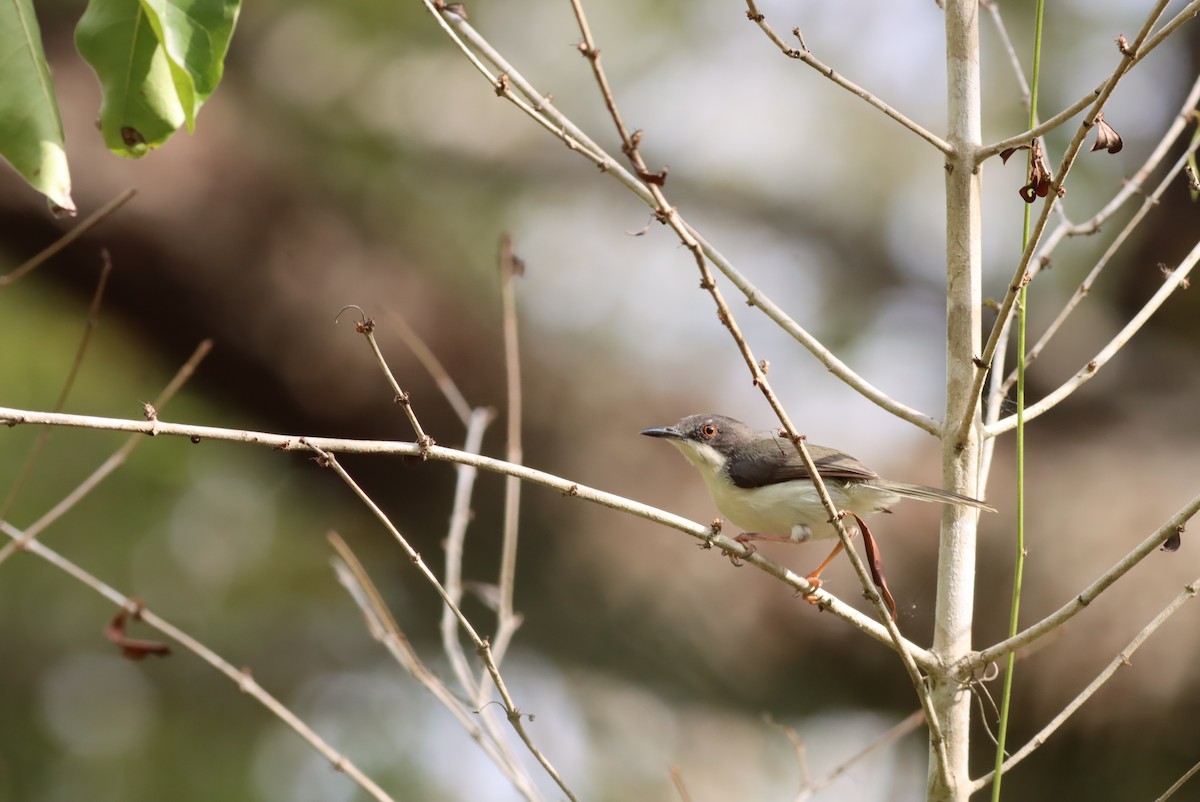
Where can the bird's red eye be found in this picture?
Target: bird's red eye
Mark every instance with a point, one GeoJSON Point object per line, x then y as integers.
{"type": "Point", "coordinates": [709, 430]}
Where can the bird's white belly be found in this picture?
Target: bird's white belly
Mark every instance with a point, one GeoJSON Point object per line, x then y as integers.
{"type": "Point", "coordinates": [794, 508]}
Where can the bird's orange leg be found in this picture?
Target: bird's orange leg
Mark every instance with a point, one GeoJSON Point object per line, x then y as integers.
{"type": "Point", "coordinates": [814, 578]}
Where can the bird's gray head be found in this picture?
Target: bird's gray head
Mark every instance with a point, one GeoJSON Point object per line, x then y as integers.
{"type": "Point", "coordinates": [708, 441]}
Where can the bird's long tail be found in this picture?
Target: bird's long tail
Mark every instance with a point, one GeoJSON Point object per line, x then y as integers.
{"type": "Point", "coordinates": [926, 493]}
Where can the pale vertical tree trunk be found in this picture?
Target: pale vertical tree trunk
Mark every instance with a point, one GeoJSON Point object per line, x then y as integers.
{"type": "Point", "coordinates": [956, 553]}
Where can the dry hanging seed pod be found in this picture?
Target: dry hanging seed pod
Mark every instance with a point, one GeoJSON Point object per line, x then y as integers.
{"type": "Point", "coordinates": [1106, 137]}
{"type": "Point", "coordinates": [1040, 178]}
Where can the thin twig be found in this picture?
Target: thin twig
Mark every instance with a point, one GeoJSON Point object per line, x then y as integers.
{"type": "Point", "coordinates": [1185, 15]}
{"type": "Point", "coordinates": [1040, 130]}
{"type": "Point", "coordinates": [286, 442]}
{"type": "Point", "coordinates": [366, 327]}
{"type": "Point", "coordinates": [460, 518]}
{"type": "Point", "coordinates": [89, 326]}
{"type": "Point", "coordinates": [803, 54]}
{"type": "Point", "coordinates": [115, 461]}
{"type": "Point", "coordinates": [536, 107]}
{"type": "Point", "coordinates": [507, 619]}
{"type": "Point", "coordinates": [85, 225]}
{"type": "Point", "coordinates": [908, 724]}
{"type": "Point", "coordinates": [1175, 786]}
{"type": "Point", "coordinates": [799, 747]}
{"type": "Point", "coordinates": [993, 9]}
{"type": "Point", "coordinates": [327, 460]}
{"type": "Point", "coordinates": [1173, 281]}
{"type": "Point", "coordinates": [474, 688]}
{"type": "Point", "coordinates": [757, 298]}
{"type": "Point", "coordinates": [433, 366]}
{"type": "Point", "coordinates": [590, 51]}
{"type": "Point", "coordinates": [680, 788]}
{"type": "Point", "coordinates": [383, 628]}
{"type": "Point", "coordinates": [1122, 659]}
{"type": "Point", "coordinates": [1173, 526]}
{"type": "Point", "coordinates": [240, 677]}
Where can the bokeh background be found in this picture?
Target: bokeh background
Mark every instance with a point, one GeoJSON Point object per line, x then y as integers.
{"type": "Point", "coordinates": [352, 156]}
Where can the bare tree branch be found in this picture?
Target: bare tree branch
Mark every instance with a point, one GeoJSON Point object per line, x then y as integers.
{"type": "Point", "coordinates": [1175, 786]}
{"type": "Point", "coordinates": [460, 517]}
{"type": "Point", "coordinates": [1177, 278]}
{"type": "Point", "coordinates": [366, 327]}
{"type": "Point", "coordinates": [803, 54]}
{"type": "Point", "coordinates": [284, 442]}
{"type": "Point", "coordinates": [507, 619]}
{"type": "Point", "coordinates": [1104, 676]}
{"type": "Point", "coordinates": [993, 9]}
{"type": "Point", "coordinates": [1173, 526]}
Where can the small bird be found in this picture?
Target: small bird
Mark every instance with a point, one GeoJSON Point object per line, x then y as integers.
{"type": "Point", "coordinates": [759, 483]}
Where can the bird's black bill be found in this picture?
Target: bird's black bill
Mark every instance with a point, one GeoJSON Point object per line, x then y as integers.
{"type": "Point", "coordinates": [663, 431]}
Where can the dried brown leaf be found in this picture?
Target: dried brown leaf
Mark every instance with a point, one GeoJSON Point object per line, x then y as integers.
{"type": "Point", "coordinates": [132, 648]}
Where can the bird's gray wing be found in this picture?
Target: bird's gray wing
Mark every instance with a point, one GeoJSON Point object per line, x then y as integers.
{"type": "Point", "coordinates": [774, 459]}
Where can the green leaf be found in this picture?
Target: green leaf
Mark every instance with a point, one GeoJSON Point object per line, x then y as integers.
{"type": "Point", "coordinates": [196, 36]}
{"type": "Point", "coordinates": [31, 133]}
{"type": "Point", "coordinates": [157, 61]}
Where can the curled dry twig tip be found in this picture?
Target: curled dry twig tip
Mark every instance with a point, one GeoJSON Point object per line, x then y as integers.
{"type": "Point", "coordinates": [364, 325]}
